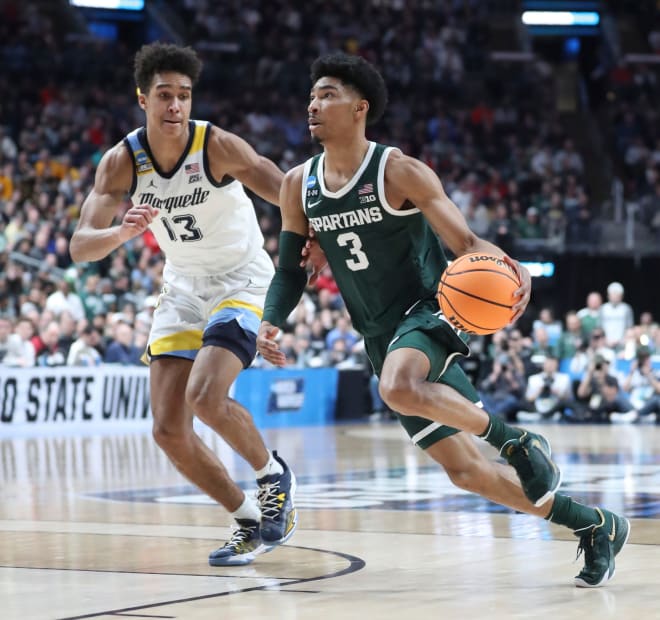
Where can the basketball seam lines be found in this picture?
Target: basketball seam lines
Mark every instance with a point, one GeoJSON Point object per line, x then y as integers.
{"type": "Point", "coordinates": [458, 290]}
{"type": "Point", "coordinates": [482, 327]}
{"type": "Point", "coordinates": [502, 273]}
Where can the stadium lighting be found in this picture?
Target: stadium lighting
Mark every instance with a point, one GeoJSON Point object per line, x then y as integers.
{"type": "Point", "coordinates": [128, 5]}
{"type": "Point", "coordinates": [560, 18]}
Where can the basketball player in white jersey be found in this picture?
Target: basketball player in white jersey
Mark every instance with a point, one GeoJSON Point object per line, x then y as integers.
{"type": "Point", "coordinates": [185, 179]}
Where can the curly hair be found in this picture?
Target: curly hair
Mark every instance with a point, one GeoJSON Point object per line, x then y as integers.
{"type": "Point", "coordinates": [356, 72]}
{"type": "Point", "coordinates": [159, 57]}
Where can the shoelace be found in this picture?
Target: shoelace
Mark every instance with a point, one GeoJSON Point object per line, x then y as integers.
{"type": "Point", "coordinates": [241, 535]}
{"type": "Point", "coordinates": [268, 496]}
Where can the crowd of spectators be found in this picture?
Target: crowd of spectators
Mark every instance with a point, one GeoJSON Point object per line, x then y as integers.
{"type": "Point", "coordinates": [489, 129]}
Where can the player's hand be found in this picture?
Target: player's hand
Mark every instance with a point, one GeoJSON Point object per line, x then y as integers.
{"type": "Point", "coordinates": [313, 255]}
{"type": "Point", "coordinates": [267, 346]}
{"type": "Point", "coordinates": [524, 293]}
{"type": "Point", "coordinates": [136, 220]}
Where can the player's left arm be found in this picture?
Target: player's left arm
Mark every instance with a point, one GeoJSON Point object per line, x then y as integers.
{"type": "Point", "coordinates": [407, 178]}
{"type": "Point", "coordinates": [230, 154]}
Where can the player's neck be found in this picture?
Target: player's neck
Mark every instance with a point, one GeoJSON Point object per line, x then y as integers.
{"type": "Point", "coordinates": [343, 159]}
{"type": "Point", "coordinates": [167, 150]}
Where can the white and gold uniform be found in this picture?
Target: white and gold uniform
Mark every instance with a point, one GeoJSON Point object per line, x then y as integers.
{"type": "Point", "coordinates": [216, 270]}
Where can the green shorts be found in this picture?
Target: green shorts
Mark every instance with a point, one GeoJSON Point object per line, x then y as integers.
{"type": "Point", "coordinates": [425, 330]}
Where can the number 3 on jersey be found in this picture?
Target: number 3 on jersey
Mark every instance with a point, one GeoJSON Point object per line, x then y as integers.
{"type": "Point", "coordinates": [359, 260]}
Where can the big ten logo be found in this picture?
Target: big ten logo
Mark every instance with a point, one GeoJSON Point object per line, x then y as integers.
{"type": "Point", "coordinates": [286, 395]}
{"type": "Point", "coordinates": [367, 199]}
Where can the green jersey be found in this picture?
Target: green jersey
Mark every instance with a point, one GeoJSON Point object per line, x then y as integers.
{"type": "Point", "coordinates": [384, 260]}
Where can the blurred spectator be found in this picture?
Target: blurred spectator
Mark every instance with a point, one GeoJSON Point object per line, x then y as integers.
{"type": "Point", "coordinates": [616, 316]}
{"type": "Point", "coordinates": [122, 349]}
{"type": "Point", "coordinates": [642, 384]}
{"type": "Point", "coordinates": [20, 351]}
{"type": "Point", "coordinates": [548, 393]}
{"type": "Point", "coordinates": [599, 395]}
{"type": "Point", "coordinates": [6, 328]}
{"type": "Point", "coordinates": [572, 338]}
{"type": "Point", "coordinates": [590, 315]}
{"type": "Point", "coordinates": [343, 330]}
{"type": "Point", "coordinates": [501, 391]}
{"type": "Point", "coordinates": [65, 300]}
{"type": "Point", "coordinates": [83, 351]}
{"type": "Point", "coordinates": [47, 346]}
{"type": "Point", "coordinates": [553, 328]}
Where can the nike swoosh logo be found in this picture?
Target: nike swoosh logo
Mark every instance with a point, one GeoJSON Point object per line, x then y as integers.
{"type": "Point", "coordinates": [612, 536]}
{"type": "Point", "coordinates": [313, 204]}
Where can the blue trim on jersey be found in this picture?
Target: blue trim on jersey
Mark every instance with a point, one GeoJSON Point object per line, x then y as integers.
{"type": "Point", "coordinates": [249, 321]}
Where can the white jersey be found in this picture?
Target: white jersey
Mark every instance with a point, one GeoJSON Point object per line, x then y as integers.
{"type": "Point", "coordinates": [204, 226]}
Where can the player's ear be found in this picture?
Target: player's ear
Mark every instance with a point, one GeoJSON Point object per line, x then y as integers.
{"type": "Point", "coordinates": [141, 98]}
{"type": "Point", "coordinates": [362, 106]}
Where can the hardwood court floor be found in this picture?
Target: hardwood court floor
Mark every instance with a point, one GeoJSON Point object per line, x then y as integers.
{"type": "Point", "coordinates": [103, 527]}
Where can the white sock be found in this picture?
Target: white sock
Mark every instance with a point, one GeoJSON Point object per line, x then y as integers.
{"type": "Point", "coordinates": [249, 509]}
{"type": "Point", "coordinates": [270, 468]}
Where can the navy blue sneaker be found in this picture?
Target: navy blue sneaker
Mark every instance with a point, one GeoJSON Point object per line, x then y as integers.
{"type": "Point", "coordinates": [279, 517]}
{"type": "Point", "coordinates": [243, 546]}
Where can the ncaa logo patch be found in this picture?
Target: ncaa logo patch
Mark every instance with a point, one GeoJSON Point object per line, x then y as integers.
{"type": "Point", "coordinates": [311, 181]}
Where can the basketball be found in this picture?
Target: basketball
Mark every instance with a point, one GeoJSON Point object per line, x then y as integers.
{"type": "Point", "coordinates": [476, 293]}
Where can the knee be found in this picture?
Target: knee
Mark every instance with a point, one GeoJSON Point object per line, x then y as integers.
{"type": "Point", "coordinates": [398, 393]}
{"type": "Point", "coordinates": [170, 437]}
{"type": "Point", "coordinates": [205, 402]}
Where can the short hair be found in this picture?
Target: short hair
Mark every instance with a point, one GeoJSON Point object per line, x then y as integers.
{"type": "Point", "coordinates": [159, 57]}
{"type": "Point", "coordinates": [356, 72]}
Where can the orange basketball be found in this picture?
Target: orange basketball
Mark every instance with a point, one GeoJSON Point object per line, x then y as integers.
{"type": "Point", "coordinates": [476, 293]}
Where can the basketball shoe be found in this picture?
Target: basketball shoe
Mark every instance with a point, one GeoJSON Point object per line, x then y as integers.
{"type": "Point", "coordinates": [243, 546]}
{"type": "Point", "coordinates": [529, 455]}
{"type": "Point", "coordinates": [601, 543]}
{"type": "Point", "coordinates": [278, 514]}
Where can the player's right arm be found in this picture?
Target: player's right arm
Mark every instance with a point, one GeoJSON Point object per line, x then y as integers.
{"type": "Point", "coordinates": [95, 236]}
{"type": "Point", "coordinates": [290, 277]}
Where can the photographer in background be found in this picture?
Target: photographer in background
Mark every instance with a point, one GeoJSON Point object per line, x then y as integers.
{"type": "Point", "coordinates": [549, 394]}
{"type": "Point", "coordinates": [643, 386]}
{"type": "Point", "coordinates": [598, 395]}
{"type": "Point", "coordinates": [502, 389]}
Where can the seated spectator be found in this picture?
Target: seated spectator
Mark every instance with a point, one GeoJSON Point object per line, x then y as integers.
{"type": "Point", "coordinates": [553, 328]}
{"type": "Point", "coordinates": [343, 330]}
{"type": "Point", "coordinates": [64, 299]}
{"type": "Point", "coordinates": [531, 227]}
{"type": "Point", "coordinates": [502, 389]}
{"type": "Point", "coordinates": [549, 393]}
{"type": "Point", "coordinates": [6, 328]}
{"type": "Point", "coordinates": [122, 350]}
{"type": "Point", "coordinates": [47, 346]}
{"type": "Point", "coordinates": [599, 395]}
{"type": "Point", "coordinates": [642, 384]}
{"type": "Point", "coordinates": [20, 351]}
{"type": "Point", "coordinates": [83, 351]}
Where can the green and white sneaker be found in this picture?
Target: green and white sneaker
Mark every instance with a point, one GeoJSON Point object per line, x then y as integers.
{"type": "Point", "coordinates": [244, 545]}
{"type": "Point", "coordinates": [529, 455]}
{"type": "Point", "coordinates": [601, 544]}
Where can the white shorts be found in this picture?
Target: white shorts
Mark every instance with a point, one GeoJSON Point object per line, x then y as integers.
{"type": "Point", "coordinates": [193, 311]}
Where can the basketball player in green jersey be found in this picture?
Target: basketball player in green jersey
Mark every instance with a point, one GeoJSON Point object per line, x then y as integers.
{"type": "Point", "coordinates": [377, 215]}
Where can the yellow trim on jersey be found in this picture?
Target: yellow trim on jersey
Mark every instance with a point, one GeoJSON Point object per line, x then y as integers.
{"type": "Point", "coordinates": [237, 303]}
{"type": "Point", "coordinates": [198, 138]}
{"type": "Point", "coordinates": [182, 341]}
